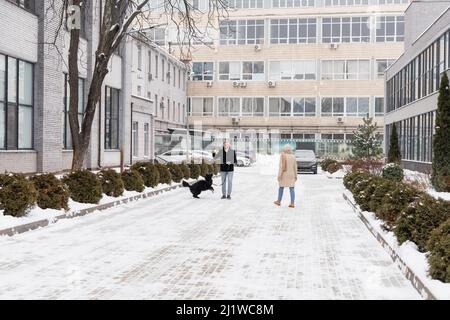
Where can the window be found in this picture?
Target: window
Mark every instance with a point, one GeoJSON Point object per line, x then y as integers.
{"type": "Point", "coordinates": [179, 112]}
{"type": "Point", "coordinates": [245, 4]}
{"type": "Point", "coordinates": [253, 106]}
{"type": "Point", "coordinates": [304, 107]}
{"type": "Point", "coordinates": [179, 79]}
{"type": "Point", "coordinates": [157, 35]}
{"type": "Point", "coordinates": [25, 4]}
{"type": "Point", "coordinates": [392, 1]}
{"type": "Point", "coordinates": [390, 28]}
{"type": "Point", "coordinates": [149, 62]}
{"type": "Point", "coordinates": [111, 118]}
{"type": "Point", "coordinates": [146, 139]}
{"type": "Point", "coordinates": [356, 107]}
{"type": "Point", "coordinates": [202, 71]}
{"type": "Point", "coordinates": [139, 57]}
{"type": "Point", "coordinates": [241, 32]}
{"type": "Point", "coordinates": [163, 69]}
{"type": "Point", "coordinates": [382, 65]}
{"type": "Point", "coordinates": [229, 107]}
{"type": "Point", "coordinates": [139, 90]}
{"type": "Point", "coordinates": [16, 104]}
{"type": "Point", "coordinates": [345, 69]}
{"type": "Point", "coordinates": [292, 3]}
{"type": "Point", "coordinates": [200, 106]}
{"type": "Point", "coordinates": [135, 132]}
{"type": "Point", "coordinates": [293, 70]}
{"type": "Point", "coordinates": [245, 70]}
{"type": "Point", "coordinates": [156, 105]}
{"type": "Point", "coordinates": [173, 76]}
{"type": "Point", "coordinates": [332, 107]}
{"type": "Point", "coordinates": [67, 136]}
{"type": "Point", "coordinates": [280, 106]}
{"type": "Point", "coordinates": [345, 2]}
{"type": "Point", "coordinates": [156, 66]}
{"type": "Point", "coordinates": [302, 30]}
{"type": "Point", "coordinates": [379, 106]}
{"type": "Point", "coordinates": [345, 29]}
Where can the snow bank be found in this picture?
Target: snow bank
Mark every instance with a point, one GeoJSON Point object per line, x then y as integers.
{"type": "Point", "coordinates": [424, 179]}
{"type": "Point", "coordinates": [37, 213]}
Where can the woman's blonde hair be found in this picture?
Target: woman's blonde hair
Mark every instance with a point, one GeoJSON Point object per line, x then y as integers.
{"type": "Point", "coordinates": [287, 148]}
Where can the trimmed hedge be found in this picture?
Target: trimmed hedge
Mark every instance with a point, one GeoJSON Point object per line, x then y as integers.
{"type": "Point", "coordinates": [112, 183]}
{"type": "Point", "coordinates": [395, 201]}
{"type": "Point", "coordinates": [149, 173]}
{"type": "Point", "coordinates": [324, 164]}
{"type": "Point", "coordinates": [420, 218]}
{"type": "Point", "coordinates": [204, 169]}
{"type": "Point", "coordinates": [333, 167]}
{"type": "Point", "coordinates": [439, 256]}
{"type": "Point", "coordinates": [84, 186]}
{"type": "Point", "coordinates": [132, 180]}
{"type": "Point", "coordinates": [164, 174]}
{"type": "Point", "coordinates": [215, 168]}
{"type": "Point", "coordinates": [51, 192]}
{"type": "Point", "coordinates": [175, 172]}
{"type": "Point", "coordinates": [185, 170]}
{"type": "Point", "coordinates": [195, 170]}
{"type": "Point", "coordinates": [376, 199]}
{"type": "Point", "coordinates": [17, 194]}
{"type": "Point", "coordinates": [393, 171]}
{"type": "Point", "coordinates": [363, 197]}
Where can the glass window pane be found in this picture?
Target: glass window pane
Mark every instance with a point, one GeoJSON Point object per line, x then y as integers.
{"type": "Point", "coordinates": [25, 127]}
{"type": "Point", "coordinates": [2, 77]}
{"type": "Point", "coordinates": [2, 125]}
{"type": "Point", "coordinates": [12, 80]}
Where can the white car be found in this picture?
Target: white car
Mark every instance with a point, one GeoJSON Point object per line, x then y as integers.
{"type": "Point", "coordinates": [242, 161]}
{"type": "Point", "coordinates": [174, 156]}
{"type": "Point", "coordinates": [200, 155]}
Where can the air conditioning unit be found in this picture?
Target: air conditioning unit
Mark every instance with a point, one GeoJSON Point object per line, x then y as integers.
{"type": "Point", "coordinates": [340, 119]}
{"type": "Point", "coordinates": [257, 47]}
{"type": "Point", "coordinates": [150, 77]}
{"type": "Point", "coordinates": [333, 46]}
{"type": "Point", "coordinates": [235, 83]}
{"type": "Point", "coordinates": [209, 84]}
{"type": "Point", "coordinates": [271, 83]}
{"type": "Point", "coordinates": [243, 84]}
{"type": "Point", "coordinates": [235, 121]}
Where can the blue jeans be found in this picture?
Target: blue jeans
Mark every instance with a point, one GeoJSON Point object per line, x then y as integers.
{"type": "Point", "coordinates": [227, 179]}
{"type": "Point", "coordinates": [291, 190]}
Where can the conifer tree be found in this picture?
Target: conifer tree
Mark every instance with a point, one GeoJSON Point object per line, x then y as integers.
{"type": "Point", "coordinates": [367, 141]}
{"type": "Point", "coordinates": [394, 155]}
{"type": "Point", "coordinates": [440, 177]}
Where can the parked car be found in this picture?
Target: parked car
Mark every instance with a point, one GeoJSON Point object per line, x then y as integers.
{"type": "Point", "coordinates": [245, 155]}
{"type": "Point", "coordinates": [174, 156]}
{"type": "Point", "coordinates": [242, 161]}
{"type": "Point", "coordinates": [306, 161]}
{"type": "Point", "coordinates": [202, 155]}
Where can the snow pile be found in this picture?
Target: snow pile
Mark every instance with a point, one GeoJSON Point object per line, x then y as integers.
{"type": "Point", "coordinates": [336, 175]}
{"type": "Point", "coordinates": [424, 180]}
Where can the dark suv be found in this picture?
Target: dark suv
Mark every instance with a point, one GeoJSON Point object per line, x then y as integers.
{"type": "Point", "coordinates": [306, 161]}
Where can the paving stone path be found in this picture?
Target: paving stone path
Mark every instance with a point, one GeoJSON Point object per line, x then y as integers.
{"type": "Point", "coordinates": [176, 247]}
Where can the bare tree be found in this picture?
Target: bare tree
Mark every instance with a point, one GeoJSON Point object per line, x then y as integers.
{"type": "Point", "coordinates": [117, 19]}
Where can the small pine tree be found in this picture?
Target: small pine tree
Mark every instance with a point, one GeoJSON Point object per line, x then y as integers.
{"type": "Point", "coordinates": [394, 155]}
{"type": "Point", "coordinates": [440, 177]}
{"type": "Point", "coordinates": [367, 141]}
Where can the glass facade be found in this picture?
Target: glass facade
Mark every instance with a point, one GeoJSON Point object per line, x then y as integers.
{"type": "Point", "coordinates": [421, 76]}
{"type": "Point", "coordinates": [111, 118]}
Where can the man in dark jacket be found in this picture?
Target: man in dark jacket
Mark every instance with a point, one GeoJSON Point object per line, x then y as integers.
{"type": "Point", "coordinates": [226, 157]}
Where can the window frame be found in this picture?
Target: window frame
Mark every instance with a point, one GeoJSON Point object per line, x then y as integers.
{"type": "Point", "coordinates": [110, 145]}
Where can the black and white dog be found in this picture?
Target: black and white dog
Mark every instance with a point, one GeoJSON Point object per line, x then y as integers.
{"type": "Point", "coordinates": [199, 186]}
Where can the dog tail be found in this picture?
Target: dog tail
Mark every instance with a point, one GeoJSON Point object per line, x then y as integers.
{"type": "Point", "coordinates": [185, 184]}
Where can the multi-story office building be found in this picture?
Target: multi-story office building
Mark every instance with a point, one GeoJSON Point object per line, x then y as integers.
{"type": "Point", "coordinates": [413, 81]}
{"type": "Point", "coordinates": [310, 69]}
{"type": "Point", "coordinates": [34, 130]}
{"type": "Point", "coordinates": [158, 96]}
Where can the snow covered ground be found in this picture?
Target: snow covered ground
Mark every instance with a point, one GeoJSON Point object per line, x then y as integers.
{"type": "Point", "coordinates": [173, 246]}
{"type": "Point", "coordinates": [424, 180]}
